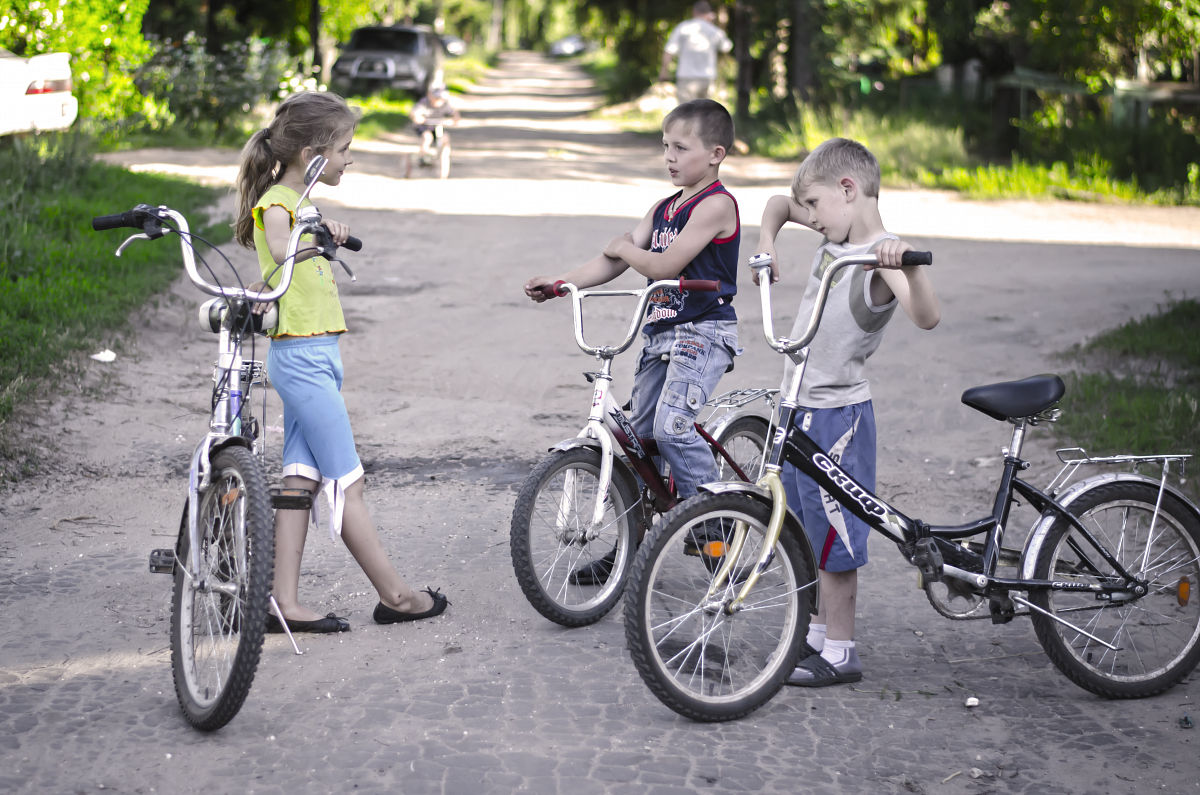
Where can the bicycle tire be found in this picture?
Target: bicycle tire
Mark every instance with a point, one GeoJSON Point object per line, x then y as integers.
{"type": "Point", "coordinates": [217, 635]}
{"type": "Point", "coordinates": [554, 506]}
{"type": "Point", "coordinates": [692, 664]}
{"type": "Point", "coordinates": [1158, 634]}
{"type": "Point", "coordinates": [744, 439]}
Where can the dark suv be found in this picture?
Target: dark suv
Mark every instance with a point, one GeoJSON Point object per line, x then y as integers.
{"type": "Point", "coordinates": [396, 57]}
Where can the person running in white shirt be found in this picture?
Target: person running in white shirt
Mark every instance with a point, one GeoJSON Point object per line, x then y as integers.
{"type": "Point", "coordinates": [696, 41]}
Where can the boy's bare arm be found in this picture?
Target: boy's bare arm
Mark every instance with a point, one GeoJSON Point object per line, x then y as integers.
{"type": "Point", "coordinates": [598, 270]}
{"type": "Point", "coordinates": [909, 284]}
{"type": "Point", "coordinates": [715, 217]}
{"type": "Point", "coordinates": [779, 210]}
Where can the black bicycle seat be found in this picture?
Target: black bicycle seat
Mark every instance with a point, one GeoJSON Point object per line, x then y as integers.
{"type": "Point", "coordinates": [1022, 398]}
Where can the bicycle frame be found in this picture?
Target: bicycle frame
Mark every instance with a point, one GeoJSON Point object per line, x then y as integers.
{"type": "Point", "coordinates": [791, 444]}
{"type": "Point", "coordinates": [607, 421]}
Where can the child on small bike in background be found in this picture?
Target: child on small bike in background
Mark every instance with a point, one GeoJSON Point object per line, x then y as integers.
{"type": "Point", "coordinates": [431, 110]}
{"type": "Point", "coordinates": [836, 192]}
{"type": "Point", "coordinates": [304, 363]}
{"type": "Point", "coordinates": [690, 337]}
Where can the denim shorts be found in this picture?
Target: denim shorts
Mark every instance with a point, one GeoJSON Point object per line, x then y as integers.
{"type": "Point", "coordinates": [838, 537]}
{"type": "Point", "coordinates": [677, 373]}
{"type": "Point", "coordinates": [318, 443]}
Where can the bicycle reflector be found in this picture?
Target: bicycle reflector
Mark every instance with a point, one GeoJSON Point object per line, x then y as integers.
{"type": "Point", "coordinates": [1183, 591]}
{"type": "Point", "coordinates": [715, 549]}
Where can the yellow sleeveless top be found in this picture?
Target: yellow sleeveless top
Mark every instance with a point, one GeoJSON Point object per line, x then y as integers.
{"type": "Point", "coordinates": [311, 305]}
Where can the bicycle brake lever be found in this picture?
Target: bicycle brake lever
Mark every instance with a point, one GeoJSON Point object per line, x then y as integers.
{"type": "Point", "coordinates": [346, 268]}
{"type": "Point", "coordinates": [130, 239]}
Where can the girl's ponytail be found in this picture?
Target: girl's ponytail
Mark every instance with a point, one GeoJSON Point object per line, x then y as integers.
{"type": "Point", "coordinates": [310, 118]}
{"type": "Point", "coordinates": [255, 177]}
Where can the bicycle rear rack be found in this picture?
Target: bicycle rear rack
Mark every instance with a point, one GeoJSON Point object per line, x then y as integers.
{"type": "Point", "coordinates": [737, 398]}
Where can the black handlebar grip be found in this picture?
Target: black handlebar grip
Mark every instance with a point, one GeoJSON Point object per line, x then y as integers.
{"type": "Point", "coordinates": [353, 243]}
{"type": "Point", "coordinates": [126, 220]}
{"type": "Point", "coordinates": [916, 258]}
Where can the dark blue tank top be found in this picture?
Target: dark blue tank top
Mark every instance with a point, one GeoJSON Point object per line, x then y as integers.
{"type": "Point", "coordinates": [717, 261]}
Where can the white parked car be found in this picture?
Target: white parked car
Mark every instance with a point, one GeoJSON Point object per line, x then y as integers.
{"type": "Point", "coordinates": [35, 93]}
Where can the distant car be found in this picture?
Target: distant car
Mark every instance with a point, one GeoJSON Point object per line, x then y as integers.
{"type": "Point", "coordinates": [453, 45]}
{"type": "Point", "coordinates": [568, 45]}
{"type": "Point", "coordinates": [393, 57]}
{"type": "Point", "coordinates": [35, 93]}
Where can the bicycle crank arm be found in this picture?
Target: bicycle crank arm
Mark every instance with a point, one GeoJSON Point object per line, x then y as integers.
{"type": "Point", "coordinates": [978, 580]}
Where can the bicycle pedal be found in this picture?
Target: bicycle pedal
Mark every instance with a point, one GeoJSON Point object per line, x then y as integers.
{"type": "Point", "coordinates": [291, 499]}
{"type": "Point", "coordinates": [1002, 609]}
{"type": "Point", "coordinates": [928, 560]}
{"type": "Point", "coordinates": [162, 561]}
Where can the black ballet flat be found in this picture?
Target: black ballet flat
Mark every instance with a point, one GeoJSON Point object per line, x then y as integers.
{"type": "Point", "coordinates": [329, 624]}
{"type": "Point", "coordinates": [386, 615]}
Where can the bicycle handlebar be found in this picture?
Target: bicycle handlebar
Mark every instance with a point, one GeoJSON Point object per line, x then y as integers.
{"type": "Point", "coordinates": [577, 296]}
{"type": "Point", "coordinates": [761, 262]}
{"type": "Point", "coordinates": [149, 219]}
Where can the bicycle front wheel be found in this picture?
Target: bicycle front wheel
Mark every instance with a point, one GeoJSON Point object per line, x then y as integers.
{"type": "Point", "coordinates": [572, 573]}
{"type": "Point", "coordinates": [696, 658]}
{"type": "Point", "coordinates": [1157, 635]}
{"type": "Point", "coordinates": [219, 618]}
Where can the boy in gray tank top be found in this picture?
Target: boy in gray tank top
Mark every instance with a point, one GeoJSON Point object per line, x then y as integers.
{"type": "Point", "coordinates": [836, 192]}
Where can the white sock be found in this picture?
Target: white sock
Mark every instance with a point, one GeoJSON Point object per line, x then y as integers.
{"type": "Point", "coordinates": [816, 636]}
{"type": "Point", "coordinates": [837, 652]}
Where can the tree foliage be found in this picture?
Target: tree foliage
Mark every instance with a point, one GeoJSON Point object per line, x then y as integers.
{"type": "Point", "coordinates": [104, 38]}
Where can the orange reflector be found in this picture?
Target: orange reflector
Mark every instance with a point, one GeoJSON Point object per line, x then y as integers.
{"type": "Point", "coordinates": [1183, 591]}
{"type": "Point", "coordinates": [228, 497]}
{"type": "Point", "coordinates": [715, 549]}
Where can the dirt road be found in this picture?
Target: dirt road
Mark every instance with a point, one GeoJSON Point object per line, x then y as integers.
{"type": "Point", "coordinates": [456, 385]}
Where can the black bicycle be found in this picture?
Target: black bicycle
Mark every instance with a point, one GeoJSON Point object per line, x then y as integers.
{"type": "Point", "coordinates": [1105, 575]}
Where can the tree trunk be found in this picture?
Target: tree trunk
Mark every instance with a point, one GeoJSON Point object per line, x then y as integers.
{"type": "Point", "coordinates": [741, 49]}
{"type": "Point", "coordinates": [800, 75]}
{"type": "Point", "coordinates": [314, 36]}
{"type": "Point", "coordinates": [212, 37]}
{"type": "Point", "coordinates": [495, 30]}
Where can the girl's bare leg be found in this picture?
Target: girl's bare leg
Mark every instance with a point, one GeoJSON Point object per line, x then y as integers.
{"type": "Point", "coordinates": [358, 531]}
{"type": "Point", "coordinates": [291, 530]}
{"type": "Point", "coordinates": [839, 599]}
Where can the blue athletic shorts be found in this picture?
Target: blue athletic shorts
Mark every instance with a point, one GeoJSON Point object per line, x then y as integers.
{"type": "Point", "coordinates": [318, 443]}
{"type": "Point", "coordinates": [838, 538]}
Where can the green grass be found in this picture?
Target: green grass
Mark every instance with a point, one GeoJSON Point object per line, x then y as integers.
{"type": "Point", "coordinates": [1156, 410]}
{"type": "Point", "coordinates": [61, 289]}
{"type": "Point", "coordinates": [382, 113]}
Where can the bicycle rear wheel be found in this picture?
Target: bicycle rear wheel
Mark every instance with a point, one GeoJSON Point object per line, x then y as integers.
{"type": "Point", "coordinates": [744, 439]}
{"type": "Point", "coordinates": [698, 660]}
{"type": "Point", "coordinates": [1157, 635]}
{"type": "Point", "coordinates": [550, 544]}
{"type": "Point", "coordinates": [217, 623]}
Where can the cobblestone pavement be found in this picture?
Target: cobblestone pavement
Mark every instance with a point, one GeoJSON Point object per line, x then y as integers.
{"type": "Point", "coordinates": [456, 386]}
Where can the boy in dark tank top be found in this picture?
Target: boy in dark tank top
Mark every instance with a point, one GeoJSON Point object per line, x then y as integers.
{"type": "Point", "coordinates": [690, 338]}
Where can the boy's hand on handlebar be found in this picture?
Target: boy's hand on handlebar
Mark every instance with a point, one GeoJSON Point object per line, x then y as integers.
{"type": "Point", "coordinates": [339, 232]}
{"type": "Point", "coordinates": [889, 253]}
{"type": "Point", "coordinates": [767, 249]}
{"type": "Point", "coordinates": [535, 286]}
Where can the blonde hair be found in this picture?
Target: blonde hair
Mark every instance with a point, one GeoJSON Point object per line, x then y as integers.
{"type": "Point", "coordinates": [834, 159]}
{"type": "Point", "coordinates": [310, 118]}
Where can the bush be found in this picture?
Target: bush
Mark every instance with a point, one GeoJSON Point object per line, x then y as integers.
{"type": "Point", "coordinates": [61, 288]}
{"type": "Point", "coordinates": [202, 88]}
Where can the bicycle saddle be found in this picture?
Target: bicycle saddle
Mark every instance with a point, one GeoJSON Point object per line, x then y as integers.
{"type": "Point", "coordinates": [1022, 398]}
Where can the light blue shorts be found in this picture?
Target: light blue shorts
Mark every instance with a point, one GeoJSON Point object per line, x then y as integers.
{"type": "Point", "coordinates": [318, 443]}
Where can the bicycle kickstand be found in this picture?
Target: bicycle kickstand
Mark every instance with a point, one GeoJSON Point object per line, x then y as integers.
{"type": "Point", "coordinates": [283, 623]}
